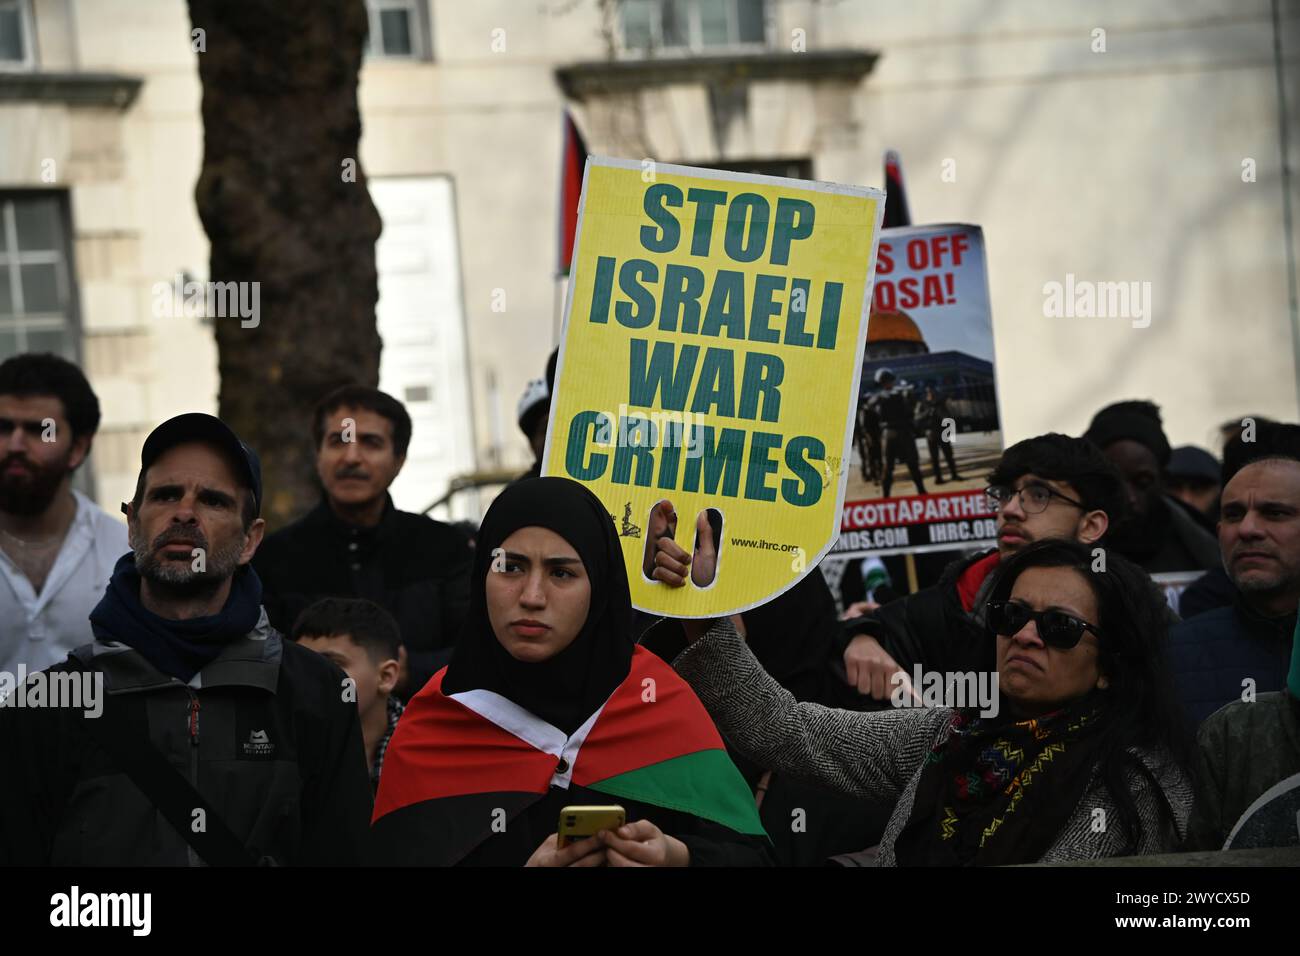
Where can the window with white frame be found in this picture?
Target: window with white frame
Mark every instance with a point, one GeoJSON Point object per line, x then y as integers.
{"type": "Point", "coordinates": [399, 29]}
{"type": "Point", "coordinates": [693, 26]}
{"type": "Point", "coordinates": [36, 302]}
{"type": "Point", "coordinates": [17, 46]}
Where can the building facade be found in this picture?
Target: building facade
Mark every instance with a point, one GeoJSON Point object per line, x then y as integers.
{"type": "Point", "coordinates": [1110, 141]}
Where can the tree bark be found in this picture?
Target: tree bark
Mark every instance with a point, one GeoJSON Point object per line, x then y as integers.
{"type": "Point", "coordinates": [281, 125]}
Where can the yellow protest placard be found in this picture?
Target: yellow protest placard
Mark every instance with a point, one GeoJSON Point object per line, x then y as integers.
{"type": "Point", "coordinates": [711, 356]}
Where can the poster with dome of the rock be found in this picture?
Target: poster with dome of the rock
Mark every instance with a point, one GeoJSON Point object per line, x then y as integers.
{"type": "Point", "coordinates": [928, 430]}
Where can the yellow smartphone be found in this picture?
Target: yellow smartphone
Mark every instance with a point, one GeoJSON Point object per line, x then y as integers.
{"type": "Point", "coordinates": [578, 823]}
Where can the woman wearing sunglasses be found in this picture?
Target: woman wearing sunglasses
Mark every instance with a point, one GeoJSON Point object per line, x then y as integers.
{"type": "Point", "coordinates": [1083, 759]}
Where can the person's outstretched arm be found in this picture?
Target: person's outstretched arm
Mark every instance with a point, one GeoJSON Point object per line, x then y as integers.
{"type": "Point", "coordinates": [868, 755]}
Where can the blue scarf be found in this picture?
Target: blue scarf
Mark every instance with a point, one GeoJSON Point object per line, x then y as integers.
{"type": "Point", "coordinates": [178, 648]}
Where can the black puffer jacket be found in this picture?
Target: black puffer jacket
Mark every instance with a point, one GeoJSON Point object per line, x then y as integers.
{"type": "Point", "coordinates": [265, 733]}
{"type": "Point", "coordinates": [1213, 654]}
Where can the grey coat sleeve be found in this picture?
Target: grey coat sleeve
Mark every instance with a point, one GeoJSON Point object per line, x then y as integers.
{"type": "Point", "coordinates": [867, 755]}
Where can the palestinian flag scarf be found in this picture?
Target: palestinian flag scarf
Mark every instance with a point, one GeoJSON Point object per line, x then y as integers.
{"type": "Point", "coordinates": [461, 765]}
{"type": "Point", "coordinates": [491, 735]}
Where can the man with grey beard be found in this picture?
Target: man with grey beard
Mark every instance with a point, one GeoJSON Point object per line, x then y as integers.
{"type": "Point", "coordinates": [275, 769]}
{"type": "Point", "coordinates": [57, 547]}
{"type": "Point", "coordinates": [1243, 650]}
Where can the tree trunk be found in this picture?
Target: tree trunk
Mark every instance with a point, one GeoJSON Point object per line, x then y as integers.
{"type": "Point", "coordinates": [281, 209]}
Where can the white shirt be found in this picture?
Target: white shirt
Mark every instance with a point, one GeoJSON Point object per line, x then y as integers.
{"type": "Point", "coordinates": [39, 630]}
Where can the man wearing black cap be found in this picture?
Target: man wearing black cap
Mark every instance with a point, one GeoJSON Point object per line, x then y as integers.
{"type": "Point", "coordinates": [218, 742]}
{"type": "Point", "coordinates": [1160, 533]}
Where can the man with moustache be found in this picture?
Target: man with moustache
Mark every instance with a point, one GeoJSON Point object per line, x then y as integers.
{"type": "Point", "coordinates": [1050, 486]}
{"type": "Point", "coordinates": [356, 544]}
{"type": "Point", "coordinates": [1237, 652]}
{"type": "Point", "coordinates": [209, 714]}
{"type": "Point", "coordinates": [57, 548]}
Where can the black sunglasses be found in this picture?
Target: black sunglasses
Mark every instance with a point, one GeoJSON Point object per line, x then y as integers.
{"type": "Point", "coordinates": [1055, 628]}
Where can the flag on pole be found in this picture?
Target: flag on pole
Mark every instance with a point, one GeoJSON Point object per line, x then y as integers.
{"type": "Point", "coordinates": [896, 211]}
{"type": "Point", "coordinates": [572, 161]}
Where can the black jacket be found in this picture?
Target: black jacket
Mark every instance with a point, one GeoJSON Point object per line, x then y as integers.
{"type": "Point", "coordinates": [412, 566]}
{"type": "Point", "coordinates": [1170, 538]}
{"type": "Point", "coordinates": [1212, 654]}
{"type": "Point", "coordinates": [264, 732]}
{"type": "Point", "coordinates": [932, 627]}
{"type": "Point", "coordinates": [1213, 589]}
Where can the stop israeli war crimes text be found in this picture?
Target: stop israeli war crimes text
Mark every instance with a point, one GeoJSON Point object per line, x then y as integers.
{"type": "Point", "coordinates": [662, 376]}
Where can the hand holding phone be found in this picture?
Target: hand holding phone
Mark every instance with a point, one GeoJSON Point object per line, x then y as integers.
{"type": "Point", "coordinates": [577, 823]}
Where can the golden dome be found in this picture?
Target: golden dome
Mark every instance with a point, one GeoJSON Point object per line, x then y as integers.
{"type": "Point", "coordinates": [893, 327]}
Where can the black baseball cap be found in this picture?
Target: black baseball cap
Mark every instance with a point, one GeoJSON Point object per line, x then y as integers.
{"type": "Point", "coordinates": [196, 426]}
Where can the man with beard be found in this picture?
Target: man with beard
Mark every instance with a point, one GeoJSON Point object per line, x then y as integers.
{"type": "Point", "coordinates": [1161, 533]}
{"type": "Point", "coordinates": [1242, 650]}
{"type": "Point", "coordinates": [57, 548]}
{"type": "Point", "coordinates": [356, 544]}
{"type": "Point", "coordinates": [275, 768]}
{"type": "Point", "coordinates": [1050, 486]}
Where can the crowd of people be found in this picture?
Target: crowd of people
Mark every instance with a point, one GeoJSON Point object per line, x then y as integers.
{"type": "Point", "coordinates": [371, 686]}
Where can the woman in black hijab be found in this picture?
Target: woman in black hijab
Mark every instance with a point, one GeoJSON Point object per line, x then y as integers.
{"type": "Point", "coordinates": [548, 703]}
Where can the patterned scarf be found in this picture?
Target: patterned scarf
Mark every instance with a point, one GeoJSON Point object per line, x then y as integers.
{"type": "Point", "coordinates": [395, 710]}
{"type": "Point", "coordinates": [998, 792]}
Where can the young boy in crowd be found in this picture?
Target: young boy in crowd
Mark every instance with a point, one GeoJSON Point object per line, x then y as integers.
{"type": "Point", "coordinates": [363, 639]}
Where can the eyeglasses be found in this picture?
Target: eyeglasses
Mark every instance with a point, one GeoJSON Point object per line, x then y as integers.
{"type": "Point", "coordinates": [1055, 628]}
{"type": "Point", "coordinates": [1034, 497]}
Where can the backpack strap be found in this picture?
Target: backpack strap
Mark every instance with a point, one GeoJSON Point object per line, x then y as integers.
{"type": "Point", "coordinates": [127, 741]}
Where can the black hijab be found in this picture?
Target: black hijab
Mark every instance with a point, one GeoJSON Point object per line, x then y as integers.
{"type": "Point", "coordinates": [568, 688]}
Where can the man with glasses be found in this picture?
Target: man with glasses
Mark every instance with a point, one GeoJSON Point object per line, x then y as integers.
{"type": "Point", "coordinates": [1051, 486]}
